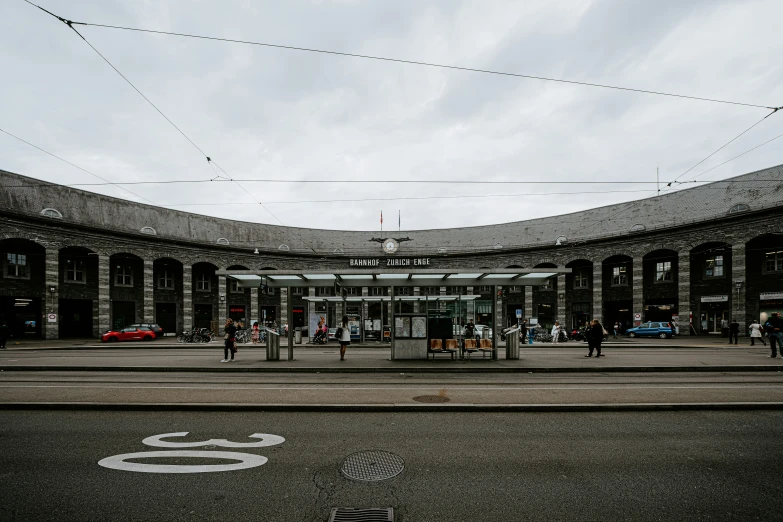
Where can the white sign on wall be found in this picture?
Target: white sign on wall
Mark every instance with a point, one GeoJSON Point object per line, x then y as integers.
{"type": "Point", "coordinates": [770, 296]}
{"type": "Point", "coordinates": [714, 298]}
{"type": "Point", "coordinates": [52, 318]}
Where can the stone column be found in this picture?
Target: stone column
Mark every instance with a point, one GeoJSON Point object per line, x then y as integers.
{"type": "Point", "coordinates": [738, 275]}
{"type": "Point", "coordinates": [497, 320]}
{"type": "Point", "coordinates": [104, 297]}
{"type": "Point", "coordinates": [417, 306]}
{"type": "Point", "coordinates": [560, 313]}
{"type": "Point", "coordinates": [253, 305]}
{"type": "Point", "coordinates": [187, 298]}
{"type": "Point", "coordinates": [598, 293]}
{"type": "Point", "coordinates": [283, 309]}
{"type": "Point", "coordinates": [528, 304]}
{"type": "Point", "coordinates": [684, 292]}
{"type": "Point", "coordinates": [365, 310]}
{"type": "Point", "coordinates": [149, 292]}
{"type": "Point", "coordinates": [638, 288]}
{"type": "Point", "coordinates": [222, 302]}
{"type": "Point", "coordinates": [52, 299]}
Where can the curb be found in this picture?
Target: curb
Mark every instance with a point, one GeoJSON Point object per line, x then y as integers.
{"type": "Point", "coordinates": [394, 408]}
{"type": "Point", "coordinates": [398, 369]}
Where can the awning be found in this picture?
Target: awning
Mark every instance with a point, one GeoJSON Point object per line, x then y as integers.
{"type": "Point", "coordinates": [386, 278]}
{"type": "Point", "coordinates": [387, 298]}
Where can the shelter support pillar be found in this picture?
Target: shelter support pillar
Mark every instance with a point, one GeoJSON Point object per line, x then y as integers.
{"type": "Point", "coordinates": [391, 321]}
{"type": "Point", "coordinates": [149, 292]}
{"type": "Point", "coordinates": [52, 299]}
{"type": "Point", "coordinates": [497, 320]}
{"type": "Point", "coordinates": [289, 316]}
{"type": "Point", "coordinates": [738, 286]}
{"type": "Point", "coordinates": [684, 292]}
{"type": "Point", "coordinates": [598, 293]}
{"type": "Point", "coordinates": [528, 304]}
{"type": "Point", "coordinates": [187, 298]}
{"type": "Point", "coordinates": [253, 309]}
{"type": "Point", "coordinates": [638, 289]}
{"type": "Point", "coordinates": [104, 301]}
{"type": "Point", "coordinates": [365, 311]}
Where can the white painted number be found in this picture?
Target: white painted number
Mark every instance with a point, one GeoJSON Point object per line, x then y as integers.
{"type": "Point", "coordinates": [266, 440]}
{"type": "Point", "coordinates": [244, 460]}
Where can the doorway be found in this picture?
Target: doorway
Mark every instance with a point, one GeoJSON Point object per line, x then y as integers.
{"type": "Point", "coordinates": [166, 316]}
{"type": "Point", "coordinates": [123, 313]}
{"type": "Point", "coordinates": [202, 316]}
{"type": "Point", "coordinates": [711, 321]}
{"type": "Point", "coordinates": [76, 318]}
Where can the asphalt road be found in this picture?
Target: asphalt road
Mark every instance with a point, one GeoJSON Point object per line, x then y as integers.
{"type": "Point", "coordinates": [458, 466]}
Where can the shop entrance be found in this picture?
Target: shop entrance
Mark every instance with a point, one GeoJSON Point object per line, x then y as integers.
{"type": "Point", "coordinates": [267, 315]}
{"type": "Point", "coordinates": [711, 321]}
{"type": "Point", "coordinates": [202, 315]}
{"type": "Point", "coordinates": [618, 312]}
{"type": "Point", "coordinates": [166, 316]}
{"type": "Point", "coordinates": [22, 315]}
{"type": "Point", "coordinates": [580, 313]}
{"type": "Point", "coordinates": [123, 313]}
{"type": "Point", "coordinates": [237, 313]}
{"type": "Point", "coordinates": [75, 318]}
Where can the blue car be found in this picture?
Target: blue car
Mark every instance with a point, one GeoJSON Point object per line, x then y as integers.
{"type": "Point", "coordinates": [652, 329]}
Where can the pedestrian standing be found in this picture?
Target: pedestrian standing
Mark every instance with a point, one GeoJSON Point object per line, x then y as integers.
{"type": "Point", "coordinates": [588, 334]}
{"type": "Point", "coordinates": [5, 332]}
{"type": "Point", "coordinates": [230, 339]}
{"type": "Point", "coordinates": [755, 333]}
{"type": "Point", "coordinates": [596, 332]}
{"type": "Point", "coordinates": [734, 331]}
{"type": "Point", "coordinates": [523, 331]}
{"type": "Point", "coordinates": [255, 333]}
{"type": "Point", "coordinates": [616, 329]}
{"type": "Point", "coordinates": [724, 328]}
{"type": "Point", "coordinates": [556, 333]}
{"type": "Point", "coordinates": [774, 329]}
{"type": "Point", "coordinates": [344, 337]}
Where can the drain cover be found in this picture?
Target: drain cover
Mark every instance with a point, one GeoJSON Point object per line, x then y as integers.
{"type": "Point", "coordinates": [431, 398]}
{"type": "Point", "coordinates": [343, 514]}
{"type": "Point", "coordinates": [372, 465]}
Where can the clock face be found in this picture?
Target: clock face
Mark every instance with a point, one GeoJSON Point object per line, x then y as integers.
{"type": "Point", "coordinates": [390, 246]}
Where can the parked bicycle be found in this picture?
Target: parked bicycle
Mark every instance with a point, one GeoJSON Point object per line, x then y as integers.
{"type": "Point", "coordinates": [244, 336]}
{"type": "Point", "coordinates": [193, 336]}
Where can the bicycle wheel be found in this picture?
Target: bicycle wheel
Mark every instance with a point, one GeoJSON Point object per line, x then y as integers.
{"type": "Point", "coordinates": [180, 338]}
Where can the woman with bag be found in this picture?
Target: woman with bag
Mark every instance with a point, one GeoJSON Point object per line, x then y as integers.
{"type": "Point", "coordinates": [230, 338]}
{"type": "Point", "coordinates": [596, 333]}
{"type": "Point", "coordinates": [755, 333]}
{"type": "Point", "coordinates": [343, 334]}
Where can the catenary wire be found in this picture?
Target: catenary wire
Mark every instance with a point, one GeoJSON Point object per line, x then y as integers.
{"type": "Point", "coordinates": [415, 62]}
{"type": "Point", "coordinates": [107, 182]}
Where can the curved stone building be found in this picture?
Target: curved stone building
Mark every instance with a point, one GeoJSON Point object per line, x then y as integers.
{"type": "Point", "coordinates": [76, 263]}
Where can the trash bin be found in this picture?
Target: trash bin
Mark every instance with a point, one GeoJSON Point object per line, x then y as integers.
{"type": "Point", "coordinates": [298, 335]}
{"type": "Point", "coordinates": [512, 343]}
{"type": "Point", "coordinates": [272, 345]}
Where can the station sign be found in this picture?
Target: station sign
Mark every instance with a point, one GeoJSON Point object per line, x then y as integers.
{"type": "Point", "coordinates": [770, 296]}
{"type": "Point", "coordinates": [714, 298]}
{"type": "Point", "coordinates": [388, 262]}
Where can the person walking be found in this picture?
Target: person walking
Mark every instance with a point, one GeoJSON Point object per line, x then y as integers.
{"type": "Point", "coordinates": [255, 332]}
{"type": "Point", "coordinates": [556, 333]}
{"type": "Point", "coordinates": [755, 333]}
{"type": "Point", "coordinates": [5, 332]}
{"type": "Point", "coordinates": [523, 331]}
{"type": "Point", "coordinates": [344, 336]}
{"type": "Point", "coordinates": [596, 333]}
{"type": "Point", "coordinates": [230, 339]}
{"type": "Point", "coordinates": [734, 331]}
{"type": "Point", "coordinates": [774, 329]}
{"type": "Point", "coordinates": [724, 328]}
{"type": "Point", "coordinates": [616, 329]}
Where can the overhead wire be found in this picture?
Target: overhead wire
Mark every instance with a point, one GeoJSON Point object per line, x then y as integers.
{"type": "Point", "coordinates": [417, 62]}
{"type": "Point", "coordinates": [107, 182]}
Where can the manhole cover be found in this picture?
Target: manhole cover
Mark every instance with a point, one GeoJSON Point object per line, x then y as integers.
{"type": "Point", "coordinates": [372, 465]}
{"type": "Point", "coordinates": [344, 514]}
{"type": "Point", "coordinates": [431, 398]}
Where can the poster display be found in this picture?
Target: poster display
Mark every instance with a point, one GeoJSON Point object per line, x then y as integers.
{"type": "Point", "coordinates": [419, 327]}
{"type": "Point", "coordinates": [402, 327]}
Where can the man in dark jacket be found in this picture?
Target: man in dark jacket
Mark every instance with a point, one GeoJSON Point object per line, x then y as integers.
{"type": "Point", "coordinates": [734, 331]}
{"type": "Point", "coordinates": [5, 332]}
{"type": "Point", "coordinates": [523, 331]}
{"type": "Point", "coordinates": [595, 336]}
{"type": "Point", "coordinates": [774, 328]}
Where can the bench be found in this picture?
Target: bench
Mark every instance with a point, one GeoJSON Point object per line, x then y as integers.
{"type": "Point", "coordinates": [436, 346]}
{"type": "Point", "coordinates": [486, 347]}
{"type": "Point", "coordinates": [470, 347]}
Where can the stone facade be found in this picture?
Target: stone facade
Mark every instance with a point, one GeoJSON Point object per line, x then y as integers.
{"type": "Point", "coordinates": [91, 277]}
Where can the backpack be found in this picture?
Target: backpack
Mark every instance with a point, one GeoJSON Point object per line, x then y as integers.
{"type": "Point", "coordinates": [339, 334]}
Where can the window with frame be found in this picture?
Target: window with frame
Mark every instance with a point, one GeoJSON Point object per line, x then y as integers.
{"type": "Point", "coordinates": [297, 290]}
{"type": "Point", "coordinates": [74, 270]}
{"type": "Point", "coordinates": [203, 283]}
{"type": "Point", "coordinates": [580, 278]}
{"type": "Point", "coordinates": [403, 290]}
{"type": "Point", "coordinates": [485, 289]}
{"type": "Point", "coordinates": [430, 290]}
{"type": "Point", "coordinates": [713, 266]}
{"type": "Point", "coordinates": [234, 287]}
{"type": "Point", "coordinates": [620, 275]}
{"type": "Point", "coordinates": [377, 290]}
{"type": "Point", "coordinates": [663, 271]}
{"type": "Point", "coordinates": [123, 275]}
{"type": "Point", "coordinates": [166, 279]}
{"type": "Point", "coordinates": [267, 290]}
{"type": "Point", "coordinates": [514, 289]}
{"type": "Point", "coordinates": [550, 284]}
{"type": "Point", "coordinates": [351, 290]}
{"type": "Point", "coordinates": [16, 266]}
{"type": "Point", "coordinates": [773, 261]}
{"type": "Point", "coordinates": [457, 290]}
{"type": "Point", "coordinates": [324, 290]}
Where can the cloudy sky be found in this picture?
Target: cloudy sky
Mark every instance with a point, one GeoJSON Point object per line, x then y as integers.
{"type": "Point", "coordinates": [266, 113]}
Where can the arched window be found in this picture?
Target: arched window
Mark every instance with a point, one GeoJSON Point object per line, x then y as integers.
{"type": "Point", "coordinates": [283, 247]}
{"type": "Point", "coordinates": [739, 207]}
{"type": "Point", "coordinates": [222, 241]}
{"type": "Point", "coordinates": [638, 227]}
{"type": "Point", "coordinates": [560, 240]}
{"type": "Point", "coordinates": [149, 230]}
{"type": "Point", "coordinates": [51, 213]}
{"type": "Point", "coordinates": [339, 251]}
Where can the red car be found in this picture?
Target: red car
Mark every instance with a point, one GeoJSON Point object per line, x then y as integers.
{"type": "Point", "coordinates": [128, 334]}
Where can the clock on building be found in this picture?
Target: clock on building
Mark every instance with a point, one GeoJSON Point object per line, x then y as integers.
{"type": "Point", "coordinates": [390, 246]}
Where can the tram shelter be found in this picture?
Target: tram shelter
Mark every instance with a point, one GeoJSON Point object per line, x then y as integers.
{"type": "Point", "coordinates": [410, 334]}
